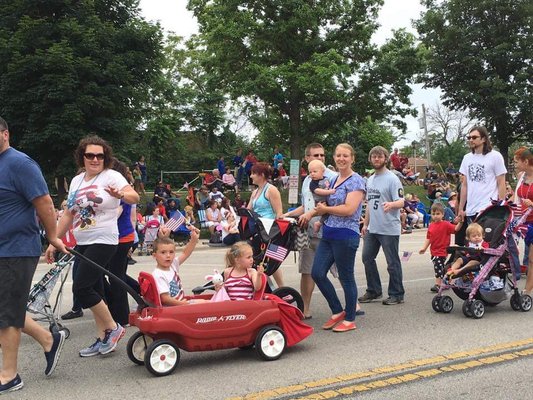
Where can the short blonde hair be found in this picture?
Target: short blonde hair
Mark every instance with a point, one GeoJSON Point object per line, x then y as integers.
{"type": "Point", "coordinates": [316, 163]}
{"type": "Point", "coordinates": [235, 252]}
{"type": "Point", "coordinates": [474, 228]}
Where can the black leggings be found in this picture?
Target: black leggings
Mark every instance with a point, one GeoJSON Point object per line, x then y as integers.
{"type": "Point", "coordinates": [116, 295]}
{"type": "Point", "coordinates": [88, 285]}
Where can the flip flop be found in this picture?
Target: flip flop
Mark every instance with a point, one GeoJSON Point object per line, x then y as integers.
{"type": "Point", "coordinates": [359, 312]}
{"type": "Point", "coordinates": [308, 317]}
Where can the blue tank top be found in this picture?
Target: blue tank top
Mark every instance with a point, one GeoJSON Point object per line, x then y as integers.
{"type": "Point", "coordinates": [262, 206]}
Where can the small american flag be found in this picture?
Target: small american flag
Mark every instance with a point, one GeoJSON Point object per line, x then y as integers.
{"type": "Point", "coordinates": [406, 255]}
{"type": "Point", "coordinates": [175, 222]}
{"type": "Point", "coordinates": [276, 252]}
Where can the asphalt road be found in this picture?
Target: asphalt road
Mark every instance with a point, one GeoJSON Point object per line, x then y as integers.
{"type": "Point", "coordinates": [386, 336]}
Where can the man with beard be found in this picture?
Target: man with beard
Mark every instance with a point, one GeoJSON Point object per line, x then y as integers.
{"type": "Point", "coordinates": [382, 228]}
{"type": "Point", "coordinates": [484, 171]}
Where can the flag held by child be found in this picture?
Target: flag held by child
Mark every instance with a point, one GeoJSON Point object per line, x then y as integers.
{"type": "Point", "coordinates": [406, 255]}
{"type": "Point", "coordinates": [277, 253]}
{"type": "Point", "coordinates": [175, 222]}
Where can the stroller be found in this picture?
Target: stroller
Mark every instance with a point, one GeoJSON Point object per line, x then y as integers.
{"type": "Point", "coordinates": [271, 241]}
{"type": "Point", "coordinates": [39, 297]}
{"type": "Point", "coordinates": [495, 278]}
{"type": "Point", "coordinates": [150, 235]}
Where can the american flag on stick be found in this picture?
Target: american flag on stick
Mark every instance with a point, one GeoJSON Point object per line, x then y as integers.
{"type": "Point", "coordinates": [175, 222]}
{"type": "Point", "coordinates": [277, 253]}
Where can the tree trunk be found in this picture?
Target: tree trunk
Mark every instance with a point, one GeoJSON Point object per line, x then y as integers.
{"type": "Point", "coordinates": [296, 136]}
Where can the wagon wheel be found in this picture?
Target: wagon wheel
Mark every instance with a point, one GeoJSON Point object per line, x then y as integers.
{"type": "Point", "coordinates": [137, 346]}
{"type": "Point", "coordinates": [162, 357]}
{"type": "Point", "coordinates": [270, 342]}
{"type": "Point", "coordinates": [291, 296]}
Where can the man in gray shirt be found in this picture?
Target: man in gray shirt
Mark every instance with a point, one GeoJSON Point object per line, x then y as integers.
{"type": "Point", "coordinates": [306, 218]}
{"type": "Point", "coordinates": [382, 228]}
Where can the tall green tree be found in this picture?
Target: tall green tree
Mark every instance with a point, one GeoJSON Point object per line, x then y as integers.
{"type": "Point", "coordinates": [70, 68]}
{"type": "Point", "coordinates": [480, 55]}
{"type": "Point", "coordinates": [308, 63]}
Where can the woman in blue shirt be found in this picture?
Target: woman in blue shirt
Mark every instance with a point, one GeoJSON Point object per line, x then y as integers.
{"type": "Point", "coordinates": [340, 240]}
{"type": "Point", "coordinates": [266, 200]}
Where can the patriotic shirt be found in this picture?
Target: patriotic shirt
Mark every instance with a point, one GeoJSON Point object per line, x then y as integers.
{"type": "Point", "coordinates": [95, 211]}
{"type": "Point", "coordinates": [168, 281]}
{"type": "Point", "coordinates": [239, 287]}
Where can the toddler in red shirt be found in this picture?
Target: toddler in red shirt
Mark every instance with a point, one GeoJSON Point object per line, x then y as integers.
{"type": "Point", "coordinates": [439, 237]}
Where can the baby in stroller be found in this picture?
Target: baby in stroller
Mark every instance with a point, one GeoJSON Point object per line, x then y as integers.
{"type": "Point", "coordinates": [474, 235]}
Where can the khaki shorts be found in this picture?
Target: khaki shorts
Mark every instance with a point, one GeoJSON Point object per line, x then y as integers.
{"type": "Point", "coordinates": [307, 256]}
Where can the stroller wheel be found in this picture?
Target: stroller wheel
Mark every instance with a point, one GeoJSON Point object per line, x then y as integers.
{"type": "Point", "coordinates": [466, 309]}
{"type": "Point", "coordinates": [136, 347]}
{"type": "Point", "coordinates": [446, 304]}
{"type": "Point", "coordinates": [54, 328]}
{"type": "Point", "coordinates": [270, 343]}
{"type": "Point", "coordinates": [525, 303]}
{"type": "Point", "coordinates": [162, 357]}
{"type": "Point", "coordinates": [477, 308]}
{"type": "Point", "coordinates": [67, 332]}
{"type": "Point", "coordinates": [291, 296]}
{"type": "Point", "coordinates": [435, 303]}
{"type": "Point", "coordinates": [515, 302]}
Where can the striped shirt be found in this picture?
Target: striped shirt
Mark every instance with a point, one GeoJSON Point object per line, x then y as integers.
{"type": "Point", "coordinates": [239, 287]}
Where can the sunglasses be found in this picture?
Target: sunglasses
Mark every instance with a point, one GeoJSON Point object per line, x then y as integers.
{"type": "Point", "coordinates": [318, 155]}
{"type": "Point", "coordinates": [92, 156]}
{"type": "Point", "coordinates": [472, 137]}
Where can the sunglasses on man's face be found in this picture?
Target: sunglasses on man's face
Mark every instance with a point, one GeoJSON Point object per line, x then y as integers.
{"type": "Point", "coordinates": [472, 137]}
{"type": "Point", "coordinates": [92, 156]}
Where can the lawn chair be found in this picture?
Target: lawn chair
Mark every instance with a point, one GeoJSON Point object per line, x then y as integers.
{"type": "Point", "coordinates": [421, 208]}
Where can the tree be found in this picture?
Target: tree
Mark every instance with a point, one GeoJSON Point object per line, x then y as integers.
{"type": "Point", "coordinates": [71, 68]}
{"type": "Point", "coordinates": [480, 55]}
{"type": "Point", "coordinates": [448, 125]}
{"type": "Point", "coordinates": [308, 63]}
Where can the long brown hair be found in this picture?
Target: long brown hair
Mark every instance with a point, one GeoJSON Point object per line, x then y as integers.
{"type": "Point", "coordinates": [484, 133]}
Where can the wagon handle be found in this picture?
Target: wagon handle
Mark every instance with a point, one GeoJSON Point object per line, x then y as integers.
{"type": "Point", "coordinates": [140, 301]}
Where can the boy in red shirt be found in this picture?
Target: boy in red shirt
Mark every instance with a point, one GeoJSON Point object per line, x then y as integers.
{"type": "Point", "coordinates": [439, 236]}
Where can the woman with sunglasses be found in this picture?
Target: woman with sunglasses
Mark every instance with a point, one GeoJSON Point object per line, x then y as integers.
{"type": "Point", "coordinates": [92, 203]}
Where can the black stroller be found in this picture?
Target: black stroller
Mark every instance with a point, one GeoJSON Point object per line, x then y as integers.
{"type": "Point", "coordinates": [495, 278]}
{"type": "Point", "coordinates": [271, 241]}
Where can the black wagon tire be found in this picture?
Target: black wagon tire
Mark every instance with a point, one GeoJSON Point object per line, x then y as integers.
{"type": "Point", "coordinates": [446, 304]}
{"type": "Point", "coordinates": [136, 347]}
{"type": "Point", "coordinates": [162, 357]}
{"type": "Point", "coordinates": [270, 342]}
{"type": "Point", "coordinates": [290, 295]}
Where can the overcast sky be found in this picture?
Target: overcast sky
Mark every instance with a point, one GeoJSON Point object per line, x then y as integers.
{"type": "Point", "coordinates": [174, 16]}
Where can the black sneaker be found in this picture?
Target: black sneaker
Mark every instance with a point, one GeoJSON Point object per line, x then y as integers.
{"type": "Point", "coordinates": [131, 261]}
{"type": "Point", "coordinates": [390, 301]}
{"type": "Point", "coordinates": [52, 356]}
{"type": "Point", "coordinates": [73, 314]}
{"type": "Point", "coordinates": [14, 384]}
{"type": "Point", "coordinates": [368, 297]}
{"type": "Point", "coordinates": [435, 288]}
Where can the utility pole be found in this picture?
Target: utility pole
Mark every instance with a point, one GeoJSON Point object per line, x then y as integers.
{"type": "Point", "coordinates": [423, 125]}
